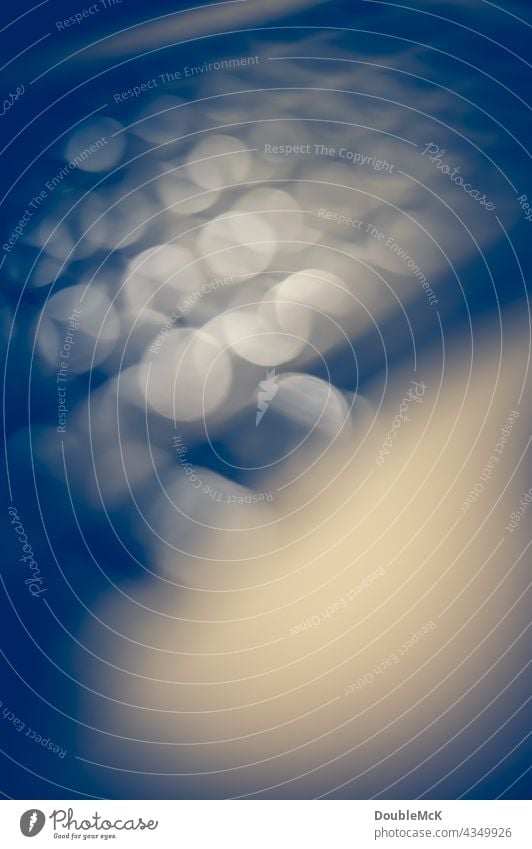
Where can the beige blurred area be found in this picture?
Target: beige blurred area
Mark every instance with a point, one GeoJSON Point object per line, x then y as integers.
{"type": "Point", "coordinates": [236, 700]}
